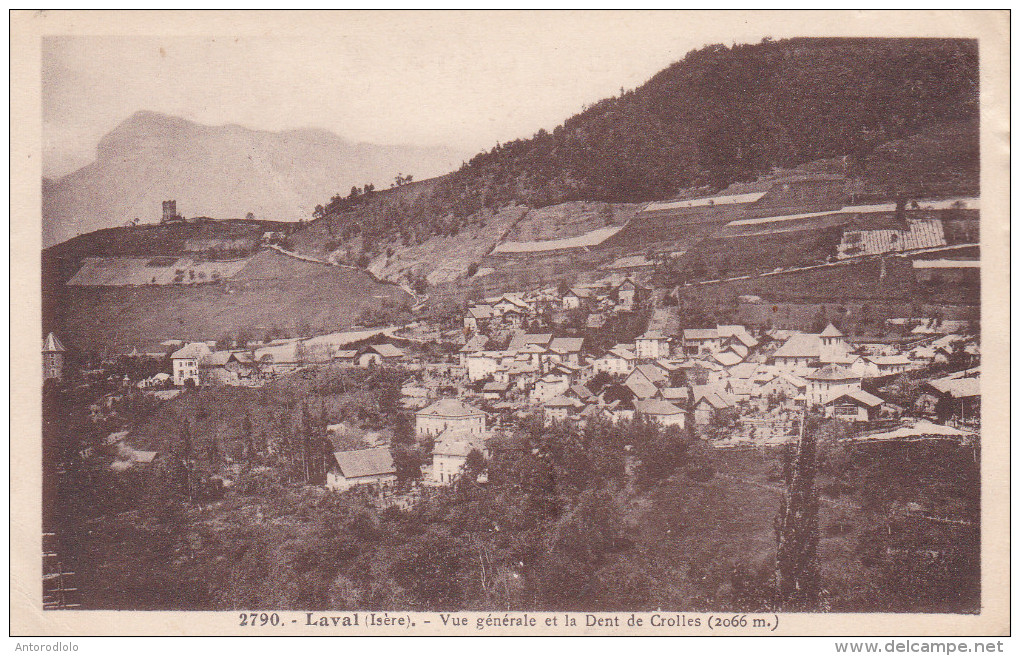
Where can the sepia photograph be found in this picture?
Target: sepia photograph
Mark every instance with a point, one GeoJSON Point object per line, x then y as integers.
{"type": "Point", "coordinates": [370, 317]}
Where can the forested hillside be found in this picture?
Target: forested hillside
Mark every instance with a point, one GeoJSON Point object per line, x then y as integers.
{"type": "Point", "coordinates": [720, 115]}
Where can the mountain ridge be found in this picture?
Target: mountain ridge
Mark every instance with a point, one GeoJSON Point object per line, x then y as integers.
{"type": "Point", "coordinates": [221, 171]}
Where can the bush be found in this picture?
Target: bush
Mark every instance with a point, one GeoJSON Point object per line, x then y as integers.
{"type": "Point", "coordinates": [260, 481]}
{"type": "Point", "coordinates": [701, 472]}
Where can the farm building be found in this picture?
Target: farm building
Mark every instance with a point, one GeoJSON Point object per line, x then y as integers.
{"type": "Point", "coordinates": [855, 405]}
{"type": "Point", "coordinates": [377, 354]}
{"type": "Point", "coordinates": [361, 467]}
{"type": "Point", "coordinates": [662, 412]}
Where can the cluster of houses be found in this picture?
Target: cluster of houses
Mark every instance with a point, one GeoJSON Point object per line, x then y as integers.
{"type": "Point", "coordinates": [756, 385]}
{"type": "Point", "coordinates": [200, 364]}
{"type": "Point", "coordinates": [508, 360]}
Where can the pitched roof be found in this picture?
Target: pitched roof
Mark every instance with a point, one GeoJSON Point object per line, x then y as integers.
{"type": "Point", "coordinates": [727, 358]}
{"type": "Point", "coordinates": [918, 429]}
{"type": "Point", "coordinates": [494, 386]}
{"type": "Point", "coordinates": [386, 350]}
{"type": "Point", "coordinates": [862, 397]}
{"type": "Point", "coordinates": [513, 300]}
{"type": "Point", "coordinates": [192, 350]}
{"type": "Point", "coordinates": [621, 352]}
{"type": "Point", "coordinates": [475, 343]}
{"type": "Point", "coordinates": [744, 370]}
{"type": "Point", "coordinates": [656, 407]}
{"type": "Point", "coordinates": [520, 340]}
{"type": "Point", "coordinates": [52, 345]}
{"type": "Point", "coordinates": [365, 462]}
{"type": "Point", "coordinates": [345, 354]}
{"type": "Point", "coordinates": [561, 401]}
{"type": "Point", "coordinates": [580, 292]}
{"type": "Point", "coordinates": [450, 408]}
{"type": "Point", "coordinates": [831, 331]}
{"type": "Point", "coordinates": [701, 333]}
{"type": "Point", "coordinates": [888, 360]}
{"type": "Point", "coordinates": [566, 344]}
{"type": "Point", "coordinates": [958, 387]}
{"type": "Point", "coordinates": [794, 380]}
{"type": "Point", "coordinates": [745, 338]}
{"type": "Point", "coordinates": [481, 311]}
{"type": "Point", "coordinates": [522, 368]}
{"type": "Point", "coordinates": [712, 394]}
{"type": "Point", "coordinates": [216, 359]}
{"type": "Point", "coordinates": [675, 393]}
{"type": "Point", "coordinates": [581, 391]}
{"type": "Point", "coordinates": [458, 442]}
{"type": "Point", "coordinates": [803, 345]}
{"type": "Point", "coordinates": [641, 389]}
{"type": "Point", "coordinates": [653, 373]}
{"type": "Point", "coordinates": [833, 372]}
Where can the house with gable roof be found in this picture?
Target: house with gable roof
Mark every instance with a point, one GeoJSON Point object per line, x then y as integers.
{"type": "Point", "coordinates": [661, 412]}
{"type": "Point", "coordinates": [451, 450]}
{"type": "Point", "coordinates": [618, 361]}
{"type": "Point", "coordinates": [804, 350]}
{"type": "Point", "coordinates": [186, 363]}
{"type": "Point", "coordinates": [361, 467]}
{"type": "Point", "coordinates": [566, 349]}
{"type": "Point", "coordinates": [478, 317]}
{"type": "Point", "coordinates": [708, 400]}
{"type": "Point", "coordinates": [377, 354]}
{"type": "Point", "coordinates": [855, 405]}
{"type": "Point", "coordinates": [829, 381]}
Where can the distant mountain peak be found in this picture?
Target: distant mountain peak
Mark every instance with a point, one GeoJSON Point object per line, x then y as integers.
{"type": "Point", "coordinates": [219, 171]}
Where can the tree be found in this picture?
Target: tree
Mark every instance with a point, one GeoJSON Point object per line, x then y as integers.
{"type": "Point", "coordinates": [474, 464]}
{"type": "Point", "coordinates": [407, 460]}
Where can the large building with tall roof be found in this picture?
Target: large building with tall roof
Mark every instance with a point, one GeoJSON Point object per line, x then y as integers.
{"type": "Point", "coordinates": [449, 414]}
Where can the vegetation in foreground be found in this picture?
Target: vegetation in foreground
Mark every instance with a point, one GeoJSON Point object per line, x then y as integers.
{"type": "Point", "coordinates": [569, 519]}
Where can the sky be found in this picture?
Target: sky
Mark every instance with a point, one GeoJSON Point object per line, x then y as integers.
{"type": "Point", "coordinates": [460, 80]}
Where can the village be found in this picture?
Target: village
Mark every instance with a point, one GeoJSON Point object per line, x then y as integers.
{"type": "Point", "coordinates": [552, 354]}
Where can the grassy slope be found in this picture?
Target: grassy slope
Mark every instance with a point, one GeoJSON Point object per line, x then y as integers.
{"type": "Point", "coordinates": [272, 293]}
{"type": "Point", "coordinates": [856, 281]}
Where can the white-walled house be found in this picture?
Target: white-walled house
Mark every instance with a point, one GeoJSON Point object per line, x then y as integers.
{"type": "Point", "coordinates": [449, 455]}
{"type": "Point", "coordinates": [652, 345]}
{"type": "Point", "coordinates": [482, 364]}
{"type": "Point", "coordinates": [831, 381]}
{"type": "Point", "coordinates": [449, 414]}
{"type": "Point", "coordinates": [361, 467]}
{"type": "Point", "coordinates": [662, 412]}
{"type": "Point", "coordinates": [549, 386]}
{"type": "Point", "coordinates": [186, 362]}
{"type": "Point", "coordinates": [619, 361]}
